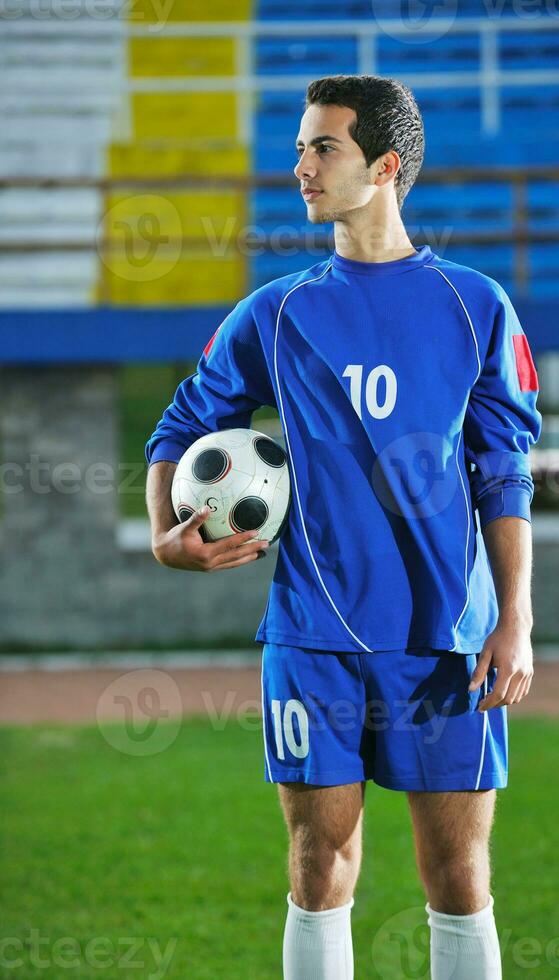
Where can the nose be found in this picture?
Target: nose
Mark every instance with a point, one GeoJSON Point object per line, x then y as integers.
{"type": "Point", "coordinates": [305, 169]}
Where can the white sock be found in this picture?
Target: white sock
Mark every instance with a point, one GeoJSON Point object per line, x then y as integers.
{"type": "Point", "coordinates": [317, 945]}
{"type": "Point", "coordinates": [464, 946]}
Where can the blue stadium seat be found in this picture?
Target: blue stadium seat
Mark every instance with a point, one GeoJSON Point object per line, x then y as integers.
{"type": "Point", "coordinates": [454, 122]}
{"type": "Point", "coordinates": [530, 112]}
{"type": "Point", "coordinates": [543, 263]}
{"type": "Point", "coordinates": [454, 52]}
{"type": "Point", "coordinates": [276, 125]}
{"type": "Point", "coordinates": [384, 9]}
{"type": "Point", "coordinates": [450, 113]}
{"type": "Point", "coordinates": [269, 266]}
{"type": "Point", "coordinates": [308, 9]}
{"type": "Point", "coordinates": [543, 204]}
{"type": "Point", "coordinates": [271, 207]}
{"type": "Point", "coordinates": [299, 55]}
{"type": "Point", "coordinates": [482, 207]}
{"type": "Point", "coordinates": [387, 9]}
{"type": "Point", "coordinates": [522, 50]}
{"type": "Point", "coordinates": [496, 261]}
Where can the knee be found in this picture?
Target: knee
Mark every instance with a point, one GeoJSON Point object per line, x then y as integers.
{"type": "Point", "coordinates": [318, 856]}
{"type": "Point", "coordinates": [325, 845]}
{"type": "Point", "coordinates": [323, 875]}
{"type": "Point", "coordinates": [458, 885]}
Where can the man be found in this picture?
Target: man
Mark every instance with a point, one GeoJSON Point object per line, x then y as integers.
{"type": "Point", "coordinates": [407, 396]}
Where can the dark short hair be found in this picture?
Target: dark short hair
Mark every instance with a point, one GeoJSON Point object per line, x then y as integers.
{"type": "Point", "coordinates": [388, 118]}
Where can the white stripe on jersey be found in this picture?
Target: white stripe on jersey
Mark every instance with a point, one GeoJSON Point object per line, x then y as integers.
{"type": "Point", "coordinates": [466, 583]}
{"type": "Point", "coordinates": [483, 738]}
{"type": "Point", "coordinates": [280, 406]}
{"type": "Point", "coordinates": [434, 268]}
{"type": "Point", "coordinates": [264, 716]}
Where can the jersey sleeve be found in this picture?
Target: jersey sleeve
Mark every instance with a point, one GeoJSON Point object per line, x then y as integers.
{"type": "Point", "coordinates": [502, 421]}
{"type": "Point", "coordinates": [231, 381]}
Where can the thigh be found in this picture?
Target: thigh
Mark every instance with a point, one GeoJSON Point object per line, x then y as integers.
{"type": "Point", "coordinates": [330, 816]}
{"type": "Point", "coordinates": [313, 705]}
{"type": "Point", "coordinates": [429, 735]}
{"type": "Point", "coordinates": [449, 824]}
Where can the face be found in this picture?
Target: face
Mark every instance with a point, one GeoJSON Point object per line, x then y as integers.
{"type": "Point", "coordinates": [334, 177]}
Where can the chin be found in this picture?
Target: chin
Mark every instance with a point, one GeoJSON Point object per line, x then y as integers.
{"type": "Point", "coordinates": [317, 217]}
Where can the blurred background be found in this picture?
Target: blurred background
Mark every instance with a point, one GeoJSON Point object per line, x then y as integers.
{"type": "Point", "coordinates": [145, 186]}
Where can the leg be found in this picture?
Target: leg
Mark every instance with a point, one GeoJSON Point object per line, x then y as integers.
{"type": "Point", "coordinates": [325, 842]}
{"type": "Point", "coordinates": [320, 768]}
{"type": "Point", "coordinates": [451, 832]}
{"type": "Point", "coordinates": [325, 826]}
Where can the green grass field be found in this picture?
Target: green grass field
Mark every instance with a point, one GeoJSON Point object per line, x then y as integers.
{"type": "Point", "coordinates": [108, 858]}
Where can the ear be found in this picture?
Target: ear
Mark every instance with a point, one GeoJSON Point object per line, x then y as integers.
{"type": "Point", "coordinates": [386, 167]}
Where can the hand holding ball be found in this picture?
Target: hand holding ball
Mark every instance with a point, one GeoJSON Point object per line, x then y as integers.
{"type": "Point", "coordinates": [242, 476]}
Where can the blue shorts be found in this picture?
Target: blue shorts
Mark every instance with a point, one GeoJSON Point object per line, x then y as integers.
{"type": "Point", "coordinates": [404, 718]}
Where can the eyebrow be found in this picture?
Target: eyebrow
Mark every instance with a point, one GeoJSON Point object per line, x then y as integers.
{"type": "Point", "coordinates": [319, 139]}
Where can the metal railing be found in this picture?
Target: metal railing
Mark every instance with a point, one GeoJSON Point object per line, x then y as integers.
{"type": "Point", "coordinates": [518, 232]}
{"type": "Point", "coordinates": [490, 77]}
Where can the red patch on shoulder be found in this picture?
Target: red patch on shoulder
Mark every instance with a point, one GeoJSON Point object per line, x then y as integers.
{"type": "Point", "coordinates": [209, 345]}
{"type": "Point", "coordinates": [525, 367]}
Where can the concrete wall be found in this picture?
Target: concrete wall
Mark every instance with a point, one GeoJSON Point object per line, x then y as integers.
{"type": "Point", "coordinates": [64, 579]}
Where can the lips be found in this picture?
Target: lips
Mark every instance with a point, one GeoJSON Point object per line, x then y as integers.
{"type": "Point", "coordinates": [309, 193]}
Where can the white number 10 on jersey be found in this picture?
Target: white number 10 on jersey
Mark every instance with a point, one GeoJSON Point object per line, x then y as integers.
{"type": "Point", "coordinates": [284, 730]}
{"type": "Point", "coordinates": [355, 373]}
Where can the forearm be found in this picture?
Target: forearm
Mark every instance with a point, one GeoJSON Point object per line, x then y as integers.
{"type": "Point", "coordinates": [508, 541]}
{"type": "Point", "coordinates": [158, 497]}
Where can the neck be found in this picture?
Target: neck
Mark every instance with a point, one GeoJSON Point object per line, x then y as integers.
{"type": "Point", "coordinates": [372, 234]}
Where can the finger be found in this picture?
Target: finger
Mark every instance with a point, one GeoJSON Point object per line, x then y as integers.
{"type": "Point", "coordinates": [480, 671]}
{"type": "Point", "coordinates": [522, 690]}
{"type": "Point", "coordinates": [516, 685]}
{"type": "Point", "coordinates": [233, 541]}
{"type": "Point", "coordinates": [219, 566]}
{"type": "Point", "coordinates": [221, 553]}
{"type": "Point", "coordinates": [497, 695]}
{"type": "Point", "coordinates": [197, 518]}
{"type": "Point", "coordinates": [518, 694]}
{"type": "Point", "coordinates": [240, 538]}
{"type": "Point", "coordinates": [250, 550]}
{"type": "Point", "coordinates": [235, 544]}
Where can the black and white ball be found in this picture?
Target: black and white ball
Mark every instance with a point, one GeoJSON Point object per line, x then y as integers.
{"type": "Point", "coordinates": [242, 475]}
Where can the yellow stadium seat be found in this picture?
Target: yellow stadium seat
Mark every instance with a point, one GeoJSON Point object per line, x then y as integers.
{"type": "Point", "coordinates": [174, 56]}
{"type": "Point", "coordinates": [184, 115]}
{"type": "Point", "coordinates": [187, 214]}
{"type": "Point", "coordinates": [162, 11]}
{"type": "Point", "coordinates": [163, 160]}
{"type": "Point", "coordinates": [145, 258]}
{"type": "Point", "coordinates": [194, 279]}
{"type": "Point", "coordinates": [168, 247]}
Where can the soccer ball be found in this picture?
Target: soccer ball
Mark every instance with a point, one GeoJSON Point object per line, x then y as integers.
{"type": "Point", "coordinates": [242, 475]}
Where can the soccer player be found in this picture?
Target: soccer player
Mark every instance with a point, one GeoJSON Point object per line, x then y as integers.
{"type": "Point", "coordinates": [398, 623]}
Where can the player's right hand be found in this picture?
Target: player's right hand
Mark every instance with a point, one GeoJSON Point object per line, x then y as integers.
{"type": "Point", "coordinates": [183, 547]}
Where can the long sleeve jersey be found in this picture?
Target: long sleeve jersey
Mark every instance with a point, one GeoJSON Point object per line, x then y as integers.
{"type": "Point", "coordinates": [407, 397]}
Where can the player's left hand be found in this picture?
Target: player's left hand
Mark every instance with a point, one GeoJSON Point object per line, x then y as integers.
{"type": "Point", "coordinates": [509, 649]}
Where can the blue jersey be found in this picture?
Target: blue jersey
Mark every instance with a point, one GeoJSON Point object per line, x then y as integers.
{"type": "Point", "coordinates": [407, 396]}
